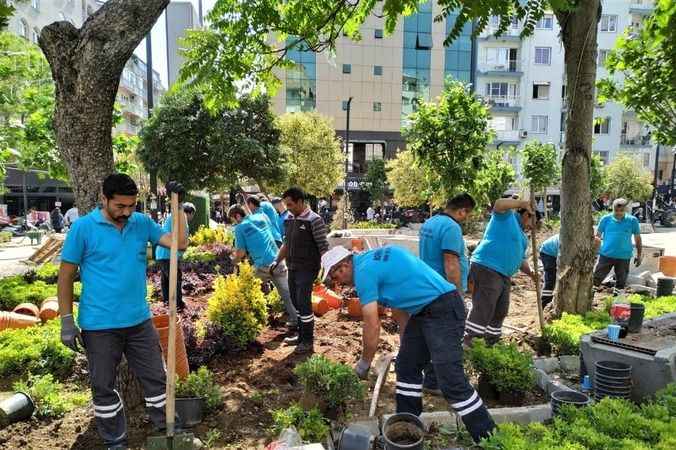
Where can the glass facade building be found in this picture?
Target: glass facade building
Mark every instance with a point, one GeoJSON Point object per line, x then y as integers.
{"type": "Point", "coordinates": [458, 55]}
{"type": "Point", "coordinates": [301, 80]}
{"type": "Point", "coordinates": [417, 57]}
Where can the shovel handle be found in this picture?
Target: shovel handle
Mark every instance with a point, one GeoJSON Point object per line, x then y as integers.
{"type": "Point", "coordinates": [171, 347]}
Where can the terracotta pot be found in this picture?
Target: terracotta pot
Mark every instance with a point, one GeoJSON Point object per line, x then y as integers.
{"type": "Point", "coordinates": [358, 244]}
{"type": "Point", "coordinates": [49, 309]}
{"type": "Point", "coordinates": [162, 325]}
{"type": "Point", "coordinates": [667, 265]}
{"type": "Point", "coordinates": [28, 309]}
{"type": "Point", "coordinates": [334, 300]}
{"type": "Point", "coordinates": [354, 307]}
{"type": "Point", "coordinates": [10, 320]}
{"type": "Point", "coordinates": [319, 306]}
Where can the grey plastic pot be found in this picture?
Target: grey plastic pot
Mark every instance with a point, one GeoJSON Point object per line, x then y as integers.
{"type": "Point", "coordinates": [18, 407]}
{"type": "Point", "coordinates": [411, 439]}
{"type": "Point", "coordinates": [560, 398]}
{"type": "Point", "coordinates": [190, 411]}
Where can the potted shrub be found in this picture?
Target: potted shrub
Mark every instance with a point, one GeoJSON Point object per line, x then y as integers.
{"type": "Point", "coordinates": [503, 371]}
{"type": "Point", "coordinates": [196, 395]}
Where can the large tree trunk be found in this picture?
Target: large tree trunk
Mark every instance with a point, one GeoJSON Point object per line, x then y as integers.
{"type": "Point", "coordinates": [86, 66]}
{"type": "Point", "coordinates": [578, 32]}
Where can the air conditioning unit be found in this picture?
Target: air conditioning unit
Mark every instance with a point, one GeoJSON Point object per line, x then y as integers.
{"type": "Point", "coordinates": [523, 134]}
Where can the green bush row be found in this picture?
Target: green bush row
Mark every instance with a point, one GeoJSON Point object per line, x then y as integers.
{"type": "Point", "coordinates": [608, 424]}
{"type": "Point", "coordinates": [365, 225]}
{"type": "Point", "coordinates": [503, 366]}
{"type": "Point", "coordinates": [15, 290]}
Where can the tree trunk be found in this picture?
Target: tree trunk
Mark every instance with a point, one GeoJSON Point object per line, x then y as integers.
{"type": "Point", "coordinates": [578, 32]}
{"type": "Point", "coordinates": [86, 66]}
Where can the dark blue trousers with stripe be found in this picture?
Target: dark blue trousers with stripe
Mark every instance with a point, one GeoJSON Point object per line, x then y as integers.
{"type": "Point", "coordinates": [436, 334]}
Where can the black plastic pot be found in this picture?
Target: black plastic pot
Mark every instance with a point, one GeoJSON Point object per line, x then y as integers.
{"type": "Point", "coordinates": [665, 286]}
{"type": "Point", "coordinates": [403, 431]}
{"type": "Point", "coordinates": [616, 382]}
{"type": "Point", "coordinates": [560, 398]}
{"type": "Point", "coordinates": [636, 317]}
{"type": "Point", "coordinates": [18, 407]}
{"type": "Point", "coordinates": [613, 369]}
{"type": "Point", "coordinates": [190, 411]}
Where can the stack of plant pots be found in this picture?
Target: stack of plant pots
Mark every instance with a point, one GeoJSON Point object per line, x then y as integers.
{"type": "Point", "coordinates": [612, 379]}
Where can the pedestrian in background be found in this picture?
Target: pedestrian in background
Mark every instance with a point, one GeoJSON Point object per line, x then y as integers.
{"type": "Point", "coordinates": [56, 218]}
{"type": "Point", "coordinates": [304, 244]}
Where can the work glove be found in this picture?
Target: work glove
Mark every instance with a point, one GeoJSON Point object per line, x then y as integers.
{"type": "Point", "coordinates": [70, 334]}
{"type": "Point", "coordinates": [273, 267]}
{"type": "Point", "coordinates": [175, 187]}
{"type": "Point", "coordinates": [638, 260]}
{"type": "Point", "coordinates": [362, 369]}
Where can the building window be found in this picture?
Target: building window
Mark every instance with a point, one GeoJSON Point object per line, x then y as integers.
{"type": "Point", "coordinates": [378, 33]}
{"type": "Point", "coordinates": [377, 70]}
{"type": "Point", "coordinates": [603, 54]}
{"type": "Point", "coordinates": [35, 4]}
{"type": "Point", "coordinates": [424, 41]}
{"type": "Point", "coordinates": [543, 55]}
{"type": "Point", "coordinates": [344, 105]}
{"type": "Point", "coordinates": [609, 23]}
{"type": "Point", "coordinates": [541, 90]}
{"type": "Point", "coordinates": [301, 80]}
{"type": "Point", "coordinates": [347, 68]}
{"type": "Point", "coordinates": [377, 106]}
{"type": "Point", "coordinates": [417, 56]}
{"type": "Point", "coordinates": [602, 125]}
{"type": "Point", "coordinates": [539, 124]}
{"type": "Point", "coordinates": [458, 54]}
{"type": "Point", "coordinates": [35, 35]}
{"type": "Point", "coordinates": [23, 28]}
{"type": "Point", "coordinates": [546, 22]}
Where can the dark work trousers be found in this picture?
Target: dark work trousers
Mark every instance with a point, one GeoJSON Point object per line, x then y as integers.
{"type": "Point", "coordinates": [490, 303]}
{"type": "Point", "coordinates": [549, 265]}
{"type": "Point", "coordinates": [300, 288]}
{"type": "Point", "coordinates": [141, 346]}
{"type": "Point", "coordinates": [164, 267]}
{"type": "Point", "coordinates": [603, 267]}
{"type": "Point", "coordinates": [436, 334]}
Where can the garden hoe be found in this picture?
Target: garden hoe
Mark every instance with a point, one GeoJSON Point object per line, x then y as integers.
{"type": "Point", "coordinates": [172, 440]}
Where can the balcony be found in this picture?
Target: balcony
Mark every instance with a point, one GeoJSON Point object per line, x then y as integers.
{"type": "Point", "coordinates": [506, 136]}
{"type": "Point", "coordinates": [503, 103]}
{"type": "Point", "coordinates": [635, 140]}
{"type": "Point", "coordinates": [642, 7]}
{"type": "Point", "coordinates": [506, 69]}
{"type": "Point", "coordinates": [510, 34]}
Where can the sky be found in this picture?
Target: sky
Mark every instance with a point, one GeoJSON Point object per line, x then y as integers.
{"type": "Point", "coordinates": [159, 41]}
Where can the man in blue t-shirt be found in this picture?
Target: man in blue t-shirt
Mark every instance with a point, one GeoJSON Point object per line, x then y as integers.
{"type": "Point", "coordinates": [549, 252]}
{"type": "Point", "coordinates": [499, 255]}
{"type": "Point", "coordinates": [256, 205]}
{"type": "Point", "coordinates": [162, 255]}
{"type": "Point", "coordinates": [395, 278]}
{"type": "Point", "coordinates": [283, 213]}
{"type": "Point", "coordinates": [615, 231]}
{"type": "Point", "coordinates": [109, 246]}
{"type": "Point", "coordinates": [254, 237]}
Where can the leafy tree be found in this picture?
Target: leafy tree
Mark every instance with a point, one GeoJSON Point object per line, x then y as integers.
{"type": "Point", "coordinates": [494, 178]}
{"type": "Point", "coordinates": [314, 159]}
{"type": "Point", "coordinates": [541, 166]}
{"type": "Point", "coordinates": [412, 184]}
{"type": "Point", "coordinates": [6, 11]}
{"type": "Point", "coordinates": [376, 180]}
{"type": "Point", "coordinates": [628, 179]}
{"type": "Point", "coordinates": [646, 59]}
{"type": "Point", "coordinates": [124, 149]}
{"type": "Point", "coordinates": [449, 137]}
{"type": "Point", "coordinates": [599, 178]}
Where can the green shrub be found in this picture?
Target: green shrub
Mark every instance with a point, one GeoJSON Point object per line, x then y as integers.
{"type": "Point", "coordinates": [311, 425]}
{"type": "Point", "coordinates": [218, 235]}
{"type": "Point", "coordinates": [50, 397]}
{"type": "Point", "coordinates": [15, 290]}
{"type": "Point", "coordinates": [201, 384]}
{"type": "Point", "coordinates": [238, 305]}
{"type": "Point", "coordinates": [5, 236]}
{"type": "Point", "coordinates": [197, 254]}
{"type": "Point", "coordinates": [48, 272]}
{"type": "Point", "coordinates": [335, 383]}
{"type": "Point", "coordinates": [502, 365]}
{"type": "Point", "coordinates": [372, 225]}
{"type": "Point", "coordinates": [564, 334]}
{"type": "Point", "coordinates": [274, 302]}
{"type": "Point", "coordinates": [35, 350]}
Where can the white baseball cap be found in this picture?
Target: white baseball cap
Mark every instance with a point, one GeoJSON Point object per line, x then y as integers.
{"type": "Point", "coordinates": [333, 257]}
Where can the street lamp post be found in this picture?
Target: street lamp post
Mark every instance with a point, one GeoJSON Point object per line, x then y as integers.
{"type": "Point", "coordinates": [347, 153]}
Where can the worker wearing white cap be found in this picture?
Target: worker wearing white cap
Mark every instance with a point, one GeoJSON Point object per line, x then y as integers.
{"type": "Point", "coordinates": [395, 278]}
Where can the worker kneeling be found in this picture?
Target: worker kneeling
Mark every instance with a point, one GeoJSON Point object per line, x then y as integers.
{"type": "Point", "coordinates": [395, 278]}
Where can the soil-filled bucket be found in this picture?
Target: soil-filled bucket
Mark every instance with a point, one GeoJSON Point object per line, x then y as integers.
{"type": "Point", "coordinates": [636, 318]}
{"type": "Point", "coordinates": [15, 408]}
{"type": "Point", "coordinates": [665, 286]}
{"type": "Point", "coordinates": [49, 309]}
{"type": "Point", "coordinates": [667, 265]}
{"type": "Point", "coordinates": [403, 431]}
{"type": "Point", "coordinates": [190, 411]}
{"type": "Point", "coordinates": [560, 398]}
{"type": "Point", "coordinates": [162, 325]}
{"type": "Point", "coordinates": [613, 369]}
{"type": "Point", "coordinates": [27, 309]}
{"type": "Point", "coordinates": [319, 306]}
{"type": "Point", "coordinates": [10, 320]}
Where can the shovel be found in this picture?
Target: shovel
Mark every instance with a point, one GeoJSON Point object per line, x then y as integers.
{"type": "Point", "coordinates": [382, 367]}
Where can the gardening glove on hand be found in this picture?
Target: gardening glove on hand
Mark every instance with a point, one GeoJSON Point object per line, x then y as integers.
{"type": "Point", "coordinates": [175, 186]}
{"type": "Point", "coordinates": [638, 260]}
{"type": "Point", "coordinates": [70, 333]}
{"type": "Point", "coordinates": [362, 369]}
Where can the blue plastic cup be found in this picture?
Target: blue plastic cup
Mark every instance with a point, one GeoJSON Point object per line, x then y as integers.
{"type": "Point", "coordinates": [586, 383]}
{"type": "Point", "coordinates": [614, 332]}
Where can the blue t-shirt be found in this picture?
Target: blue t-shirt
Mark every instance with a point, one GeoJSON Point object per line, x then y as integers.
{"type": "Point", "coordinates": [551, 246]}
{"type": "Point", "coordinates": [617, 234]}
{"type": "Point", "coordinates": [271, 213]}
{"type": "Point", "coordinates": [280, 222]}
{"type": "Point", "coordinates": [254, 236]}
{"type": "Point", "coordinates": [504, 244]}
{"type": "Point", "coordinates": [442, 234]}
{"type": "Point", "coordinates": [112, 269]}
{"type": "Point", "coordinates": [164, 252]}
{"type": "Point", "coordinates": [395, 278]}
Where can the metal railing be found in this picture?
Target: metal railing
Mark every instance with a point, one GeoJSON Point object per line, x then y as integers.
{"type": "Point", "coordinates": [509, 66]}
{"type": "Point", "coordinates": [635, 139]}
{"type": "Point", "coordinates": [502, 100]}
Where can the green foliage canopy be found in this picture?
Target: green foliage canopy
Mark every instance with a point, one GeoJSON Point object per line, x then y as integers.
{"type": "Point", "coordinates": [541, 166]}
{"type": "Point", "coordinates": [494, 178]}
{"type": "Point", "coordinates": [376, 180]}
{"type": "Point", "coordinates": [628, 179]}
{"type": "Point", "coordinates": [412, 184]}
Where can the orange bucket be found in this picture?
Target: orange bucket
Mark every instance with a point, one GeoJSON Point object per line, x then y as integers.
{"type": "Point", "coordinates": [162, 325]}
{"type": "Point", "coordinates": [319, 306]}
{"type": "Point", "coordinates": [28, 309]}
{"type": "Point", "coordinates": [11, 320]}
{"type": "Point", "coordinates": [357, 244]}
{"type": "Point", "coordinates": [667, 265]}
{"type": "Point", "coordinates": [49, 309]}
{"type": "Point", "coordinates": [354, 308]}
{"type": "Point", "coordinates": [334, 300]}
